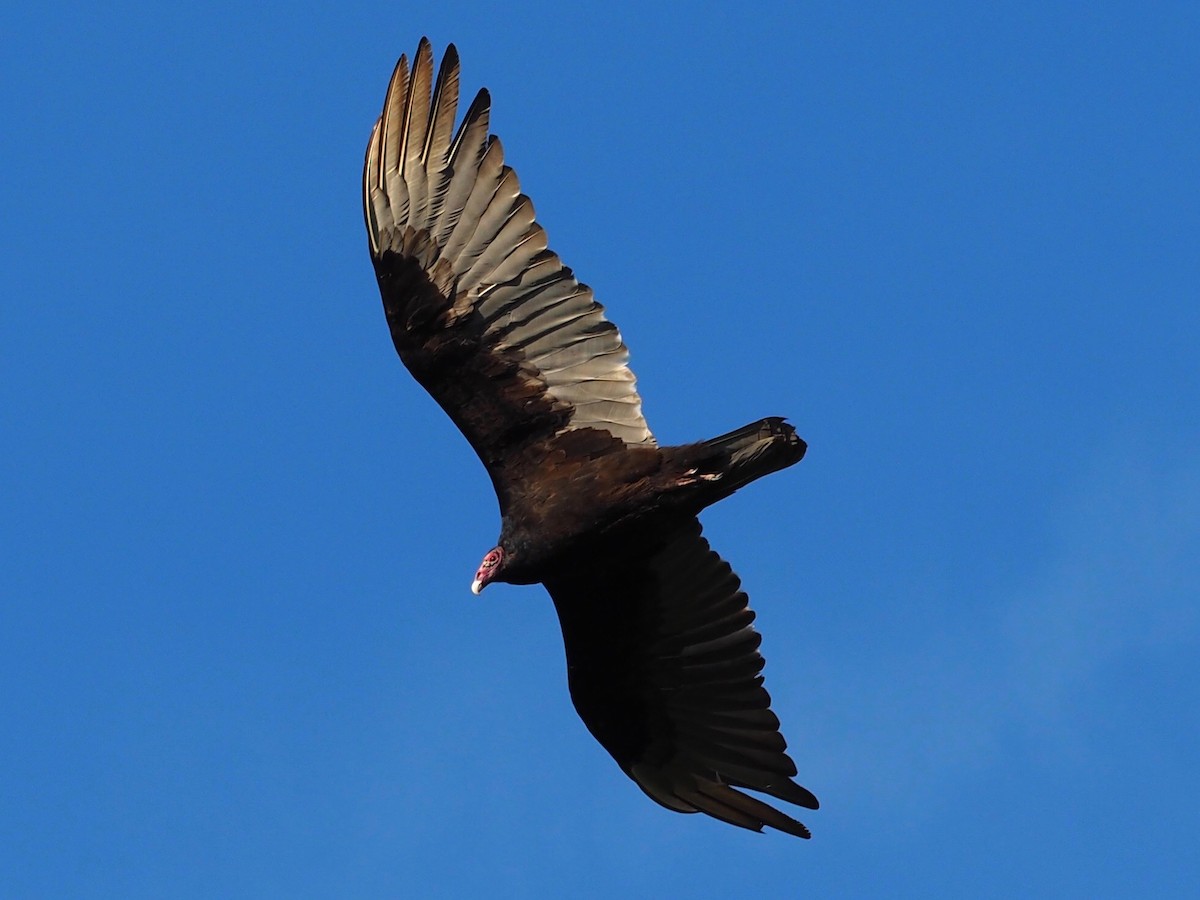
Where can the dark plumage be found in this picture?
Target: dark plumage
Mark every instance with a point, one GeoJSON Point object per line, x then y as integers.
{"type": "Point", "coordinates": [662, 660]}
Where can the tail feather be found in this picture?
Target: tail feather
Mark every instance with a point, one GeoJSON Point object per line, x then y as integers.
{"type": "Point", "coordinates": [733, 460]}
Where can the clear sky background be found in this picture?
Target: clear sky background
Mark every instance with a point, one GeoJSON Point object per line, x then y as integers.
{"type": "Point", "coordinates": [957, 244]}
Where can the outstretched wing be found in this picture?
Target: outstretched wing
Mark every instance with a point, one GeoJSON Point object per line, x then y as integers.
{"type": "Point", "coordinates": [663, 666]}
{"type": "Point", "coordinates": [482, 313]}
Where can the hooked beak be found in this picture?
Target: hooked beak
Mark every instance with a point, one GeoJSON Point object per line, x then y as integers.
{"type": "Point", "coordinates": [476, 587]}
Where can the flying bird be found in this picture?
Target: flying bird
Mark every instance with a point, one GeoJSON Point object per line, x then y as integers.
{"type": "Point", "coordinates": [662, 660]}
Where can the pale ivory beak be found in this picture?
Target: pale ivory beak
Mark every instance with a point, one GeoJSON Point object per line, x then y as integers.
{"type": "Point", "coordinates": [476, 587]}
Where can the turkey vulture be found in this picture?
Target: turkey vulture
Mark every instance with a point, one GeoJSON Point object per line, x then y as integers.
{"type": "Point", "coordinates": [662, 662]}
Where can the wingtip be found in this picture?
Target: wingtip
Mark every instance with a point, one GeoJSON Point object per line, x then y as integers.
{"type": "Point", "coordinates": [424, 53]}
{"type": "Point", "coordinates": [794, 793]}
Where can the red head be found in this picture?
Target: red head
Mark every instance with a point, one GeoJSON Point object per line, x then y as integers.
{"type": "Point", "coordinates": [488, 569]}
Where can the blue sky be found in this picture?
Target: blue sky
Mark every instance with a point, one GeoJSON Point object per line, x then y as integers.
{"type": "Point", "coordinates": [956, 244]}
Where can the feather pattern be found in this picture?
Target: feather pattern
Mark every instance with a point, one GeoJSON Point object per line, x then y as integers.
{"type": "Point", "coordinates": [456, 211]}
{"type": "Point", "coordinates": [664, 666]}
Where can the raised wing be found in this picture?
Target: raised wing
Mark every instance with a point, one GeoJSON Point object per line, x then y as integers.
{"type": "Point", "coordinates": [663, 666]}
{"type": "Point", "coordinates": [483, 314]}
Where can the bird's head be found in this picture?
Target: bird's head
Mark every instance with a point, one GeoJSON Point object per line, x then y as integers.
{"type": "Point", "coordinates": [488, 569]}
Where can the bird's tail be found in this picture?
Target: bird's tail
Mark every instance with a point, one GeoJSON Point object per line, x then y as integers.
{"type": "Point", "coordinates": [742, 456]}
